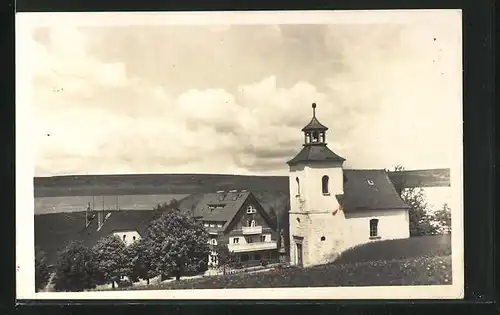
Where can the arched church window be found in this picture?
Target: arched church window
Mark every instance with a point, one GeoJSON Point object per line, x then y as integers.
{"type": "Point", "coordinates": [373, 227]}
{"type": "Point", "coordinates": [124, 237]}
{"type": "Point", "coordinates": [324, 184]}
{"type": "Point", "coordinates": [308, 137]}
{"type": "Point", "coordinates": [315, 136]}
{"type": "Point", "coordinates": [298, 186]}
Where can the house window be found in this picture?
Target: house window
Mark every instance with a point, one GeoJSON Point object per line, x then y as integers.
{"type": "Point", "coordinates": [124, 237]}
{"type": "Point", "coordinates": [373, 227]}
{"type": "Point", "coordinates": [262, 238]}
{"type": "Point", "coordinates": [298, 220]}
{"type": "Point", "coordinates": [251, 209]}
{"type": "Point", "coordinates": [323, 238]}
{"type": "Point", "coordinates": [205, 224]}
{"type": "Point", "coordinates": [245, 257]}
{"type": "Point", "coordinates": [249, 239]}
{"type": "Point", "coordinates": [298, 186]}
{"type": "Point", "coordinates": [324, 184]}
{"type": "Point", "coordinates": [236, 240]}
{"type": "Point", "coordinates": [219, 225]}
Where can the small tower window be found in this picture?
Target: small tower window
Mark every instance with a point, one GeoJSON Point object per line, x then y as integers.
{"type": "Point", "coordinates": [315, 137]}
{"type": "Point", "coordinates": [133, 238]}
{"type": "Point", "coordinates": [298, 220]}
{"type": "Point", "coordinates": [324, 184]}
{"type": "Point", "coordinates": [323, 238]}
{"type": "Point", "coordinates": [298, 186]}
{"type": "Point", "coordinates": [373, 228]}
{"type": "Point", "coordinates": [321, 137]}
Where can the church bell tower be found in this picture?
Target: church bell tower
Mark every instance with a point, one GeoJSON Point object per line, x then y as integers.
{"type": "Point", "coordinates": [316, 179]}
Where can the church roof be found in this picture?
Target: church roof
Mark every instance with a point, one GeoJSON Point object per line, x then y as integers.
{"type": "Point", "coordinates": [314, 124]}
{"type": "Point", "coordinates": [220, 207]}
{"type": "Point", "coordinates": [366, 190]}
{"type": "Point", "coordinates": [315, 153]}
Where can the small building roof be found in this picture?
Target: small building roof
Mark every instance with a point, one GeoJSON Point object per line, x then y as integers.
{"type": "Point", "coordinates": [54, 230]}
{"type": "Point", "coordinates": [315, 153]}
{"type": "Point", "coordinates": [369, 190]}
{"type": "Point", "coordinates": [314, 125]}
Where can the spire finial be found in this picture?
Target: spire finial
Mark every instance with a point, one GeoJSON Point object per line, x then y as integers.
{"type": "Point", "coordinates": [314, 109]}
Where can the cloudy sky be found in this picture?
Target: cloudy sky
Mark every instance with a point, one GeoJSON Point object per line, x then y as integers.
{"type": "Point", "coordinates": [233, 98]}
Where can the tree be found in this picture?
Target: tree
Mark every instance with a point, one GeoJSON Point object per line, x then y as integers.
{"type": "Point", "coordinates": [420, 220]}
{"type": "Point", "coordinates": [414, 197]}
{"type": "Point", "coordinates": [442, 220]}
{"type": "Point", "coordinates": [74, 269]}
{"type": "Point", "coordinates": [139, 261]}
{"type": "Point", "coordinates": [109, 259]}
{"type": "Point", "coordinates": [178, 244]}
{"type": "Point", "coordinates": [225, 257]}
{"type": "Point", "coordinates": [42, 274]}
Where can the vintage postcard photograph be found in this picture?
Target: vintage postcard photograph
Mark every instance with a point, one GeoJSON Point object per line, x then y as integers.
{"type": "Point", "coordinates": [239, 155]}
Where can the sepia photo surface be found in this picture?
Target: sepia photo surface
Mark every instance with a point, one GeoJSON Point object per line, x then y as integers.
{"type": "Point", "coordinates": [239, 155]}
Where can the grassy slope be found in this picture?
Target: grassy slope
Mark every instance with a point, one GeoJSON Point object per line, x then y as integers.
{"type": "Point", "coordinates": [414, 261]}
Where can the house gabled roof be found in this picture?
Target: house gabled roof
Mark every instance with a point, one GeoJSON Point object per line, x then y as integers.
{"type": "Point", "coordinates": [220, 207]}
{"type": "Point", "coordinates": [315, 153]}
{"type": "Point", "coordinates": [366, 190]}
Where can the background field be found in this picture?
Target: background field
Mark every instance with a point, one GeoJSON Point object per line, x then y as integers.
{"type": "Point", "coordinates": [45, 205]}
{"type": "Point", "coordinates": [161, 184]}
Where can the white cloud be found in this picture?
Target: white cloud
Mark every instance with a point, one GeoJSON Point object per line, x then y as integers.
{"type": "Point", "coordinates": [389, 105]}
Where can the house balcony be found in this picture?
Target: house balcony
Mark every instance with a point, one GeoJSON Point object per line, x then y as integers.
{"type": "Point", "coordinates": [251, 247]}
{"type": "Point", "coordinates": [251, 230]}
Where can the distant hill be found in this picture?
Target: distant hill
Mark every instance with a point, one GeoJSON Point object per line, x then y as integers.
{"type": "Point", "coordinates": [151, 184]}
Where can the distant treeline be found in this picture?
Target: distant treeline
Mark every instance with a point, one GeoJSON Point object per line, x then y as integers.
{"type": "Point", "coordinates": [144, 184]}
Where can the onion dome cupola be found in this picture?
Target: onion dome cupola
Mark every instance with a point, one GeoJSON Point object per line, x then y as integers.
{"type": "Point", "coordinates": [315, 149]}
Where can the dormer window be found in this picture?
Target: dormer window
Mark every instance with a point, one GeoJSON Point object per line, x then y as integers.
{"type": "Point", "coordinates": [251, 209]}
{"type": "Point", "coordinates": [370, 182]}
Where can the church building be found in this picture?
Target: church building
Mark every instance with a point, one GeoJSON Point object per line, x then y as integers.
{"type": "Point", "coordinates": [333, 209]}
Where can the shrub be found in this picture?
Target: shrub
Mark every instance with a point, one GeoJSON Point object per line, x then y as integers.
{"type": "Point", "coordinates": [42, 274]}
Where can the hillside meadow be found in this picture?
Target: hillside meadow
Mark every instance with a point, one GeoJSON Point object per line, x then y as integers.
{"type": "Point", "coordinates": [424, 260]}
{"type": "Point", "coordinates": [160, 184]}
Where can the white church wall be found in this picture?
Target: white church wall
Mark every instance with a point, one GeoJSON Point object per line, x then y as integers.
{"type": "Point", "coordinates": [128, 237]}
{"type": "Point", "coordinates": [392, 224]}
{"type": "Point", "coordinates": [316, 200]}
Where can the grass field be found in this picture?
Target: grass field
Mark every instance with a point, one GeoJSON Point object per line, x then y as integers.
{"type": "Point", "coordinates": [414, 261]}
{"type": "Point", "coordinates": [143, 184]}
{"type": "Point", "coordinates": [79, 203]}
